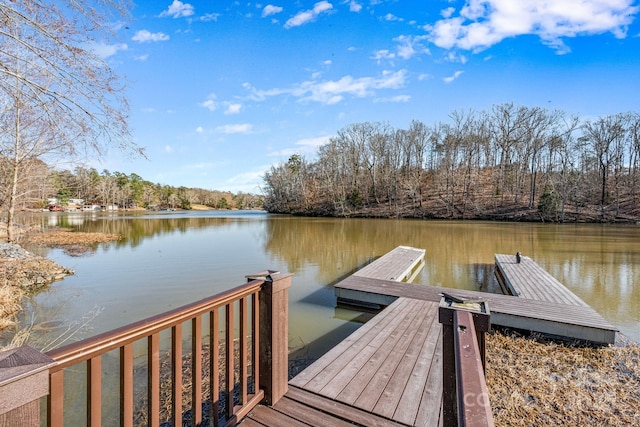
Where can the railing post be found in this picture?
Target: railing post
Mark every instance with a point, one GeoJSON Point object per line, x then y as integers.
{"type": "Point", "coordinates": [274, 335]}
{"type": "Point", "coordinates": [24, 379]}
{"type": "Point", "coordinates": [482, 323]}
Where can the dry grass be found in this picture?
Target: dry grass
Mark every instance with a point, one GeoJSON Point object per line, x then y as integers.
{"type": "Point", "coordinates": [533, 383]}
{"type": "Point", "coordinates": [61, 237]}
{"type": "Point", "coordinates": [10, 305]}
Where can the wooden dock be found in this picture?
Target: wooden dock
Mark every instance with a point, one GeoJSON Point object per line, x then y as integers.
{"type": "Point", "coordinates": [543, 305]}
{"type": "Point", "coordinates": [527, 279]}
{"type": "Point", "coordinates": [389, 371]}
{"type": "Point", "coordinates": [399, 265]}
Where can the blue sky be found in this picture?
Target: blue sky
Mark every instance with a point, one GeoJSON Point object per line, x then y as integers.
{"type": "Point", "coordinates": [219, 91]}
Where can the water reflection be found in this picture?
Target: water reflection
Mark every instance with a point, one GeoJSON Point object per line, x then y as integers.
{"type": "Point", "coordinates": [170, 259]}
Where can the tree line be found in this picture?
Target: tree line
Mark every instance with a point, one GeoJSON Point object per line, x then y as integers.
{"type": "Point", "coordinates": [114, 188]}
{"type": "Point", "coordinates": [507, 162]}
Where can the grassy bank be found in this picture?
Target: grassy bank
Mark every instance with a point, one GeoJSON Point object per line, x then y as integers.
{"type": "Point", "coordinates": [535, 382]}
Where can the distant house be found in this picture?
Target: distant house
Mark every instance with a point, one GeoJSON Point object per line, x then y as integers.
{"type": "Point", "coordinates": [92, 207]}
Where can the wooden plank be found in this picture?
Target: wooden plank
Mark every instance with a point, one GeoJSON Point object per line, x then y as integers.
{"type": "Point", "coordinates": [339, 410]}
{"type": "Point", "coordinates": [310, 372]}
{"type": "Point", "coordinates": [396, 265]}
{"type": "Point", "coordinates": [428, 413]}
{"type": "Point", "coordinates": [406, 367]}
{"type": "Point", "coordinates": [350, 361]}
{"type": "Point", "coordinates": [308, 415]}
{"type": "Point", "coordinates": [393, 352]}
{"type": "Point", "coordinates": [270, 417]}
{"type": "Point", "coordinates": [425, 381]}
{"type": "Point", "coordinates": [374, 372]}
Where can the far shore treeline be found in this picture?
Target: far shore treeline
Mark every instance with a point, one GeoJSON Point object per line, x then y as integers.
{"type": "Point", "coordinates": [509, 162]}
{"type": "Point", "coordinates": [45, 186]}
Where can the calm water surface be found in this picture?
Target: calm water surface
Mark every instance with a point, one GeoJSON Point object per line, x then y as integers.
{"type": "Point", "coordinates": [170, 259]}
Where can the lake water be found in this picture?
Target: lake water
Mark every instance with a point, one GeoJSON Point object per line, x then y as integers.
{"type": "Point", "coordinates": [166, 260]}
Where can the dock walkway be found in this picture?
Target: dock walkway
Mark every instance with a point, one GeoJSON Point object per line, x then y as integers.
{"type": "Point", "coordinates": [527, 279]}
{"type": "Point", "coordinates": [389, 371]}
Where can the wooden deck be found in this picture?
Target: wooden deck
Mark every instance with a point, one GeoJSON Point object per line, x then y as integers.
{"type": "Point", "coordinates": [544, 304]}
{"type": "Point", "coordinates": [398, 265]}
{"type": "Point", "coordinates": [528, 280]}
{"type": "Point", "coordinates": [389, 372]}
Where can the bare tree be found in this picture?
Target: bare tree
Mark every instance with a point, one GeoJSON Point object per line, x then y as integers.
{"type": "Point", "coordinates": [606, 135]}
{"type": "Point", "coordinates": [58, 98]}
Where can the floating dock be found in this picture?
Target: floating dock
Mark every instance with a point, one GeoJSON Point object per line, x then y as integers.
{"type": "Point", "coordinates": [389, 371]}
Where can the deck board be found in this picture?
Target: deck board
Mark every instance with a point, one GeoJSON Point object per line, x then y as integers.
{"type": "Point", "coordinates": [383, 363]}
{"type": "Point", "coordinates": [396, 265]}
{"type": "Point", "coordinates": [529, 280]}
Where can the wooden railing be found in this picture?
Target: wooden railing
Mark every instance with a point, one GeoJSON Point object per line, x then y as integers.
{"type": "Point", "coordinates": [465, 397]}
{"type": "Point", "coordinates": [252, 339]}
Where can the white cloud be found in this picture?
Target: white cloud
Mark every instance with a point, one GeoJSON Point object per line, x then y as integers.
{"type": "Point", "coordinates": [452, 56]}
{"type": "Point", "coordinates": [106, 50]}
{"type": "Point", "coordinates": [177, 9]}
{"type": "Point", "coordinates": [307, 16]}
{"type": "Point", "coordinates": [331, 92]}
{"type": "Point", "coordinates": [209, 17]}
{"type": "Point", "coordinates": [143, 57]}
{"type": "Point", "coordinates": [199, 129]}
{"type": "Point", "coordinates": [247, 182]}
{"type": "Point", "coordinates": [484, 23]}
{"type": "Point", "coordinates": [233, 108]}
{"type": "Point", "coordinates": [409, 46]}
{"type": "Point", "coordinates": [143, 36]}
{"type": "Point", "coordinates": [243, 128]}
{"type": "Point", "coordinates": [303, 146]}
{"type": "Point", "coordinates": [398, 98]}
{"type": "Point", "coordinates": [383, 54]}
{"type": "Point", "coordinates": [354, 6]}
{"type": "Point", "coordinates": [271, 10]}
{"type": "Point", "coordinates": [448, 12]}
{"type": "Point", "coordinates": [392, 17]}
{"type": "Point", "coordinates": [210, 102]}
{"type": "Point", "coordinates": [453, 77]}
{"type": "Point", "coordinates": [168, 149]}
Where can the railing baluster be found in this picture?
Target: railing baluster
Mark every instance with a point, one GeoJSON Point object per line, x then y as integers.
{"type": "Point", "coordinates": [243, 350]}
{"type": "Point", "coordinates": [230, 374]}
{"type": "Point", "coordinates": [196, 371]}
{"type": "Point", "coordinates": [90, 351]}
{"type": "Point", "coordinates": [94, 390]}
{"type": "Point", "coordinates": [256, 341]}
{"type": "Point", "coordinates": [214, 369]}
{"type": "Point", "coordinates": [55, 401]}
{"type": "Point", "coordinates": [153, 380]}
{"type": "Point", "coordinates": [176, 359]}
{"type": "Point", "coordinates": [126, 385]}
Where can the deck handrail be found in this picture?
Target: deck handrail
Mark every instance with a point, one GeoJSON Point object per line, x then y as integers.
{"type": "Point", "coordinates": [465, 396]}
{"type": "Point", "coordinates": [99, 344]}
{"type": "Point", "coordinates": [248, 319]}
{"type": "Point", "coordinates": [474, 408]}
